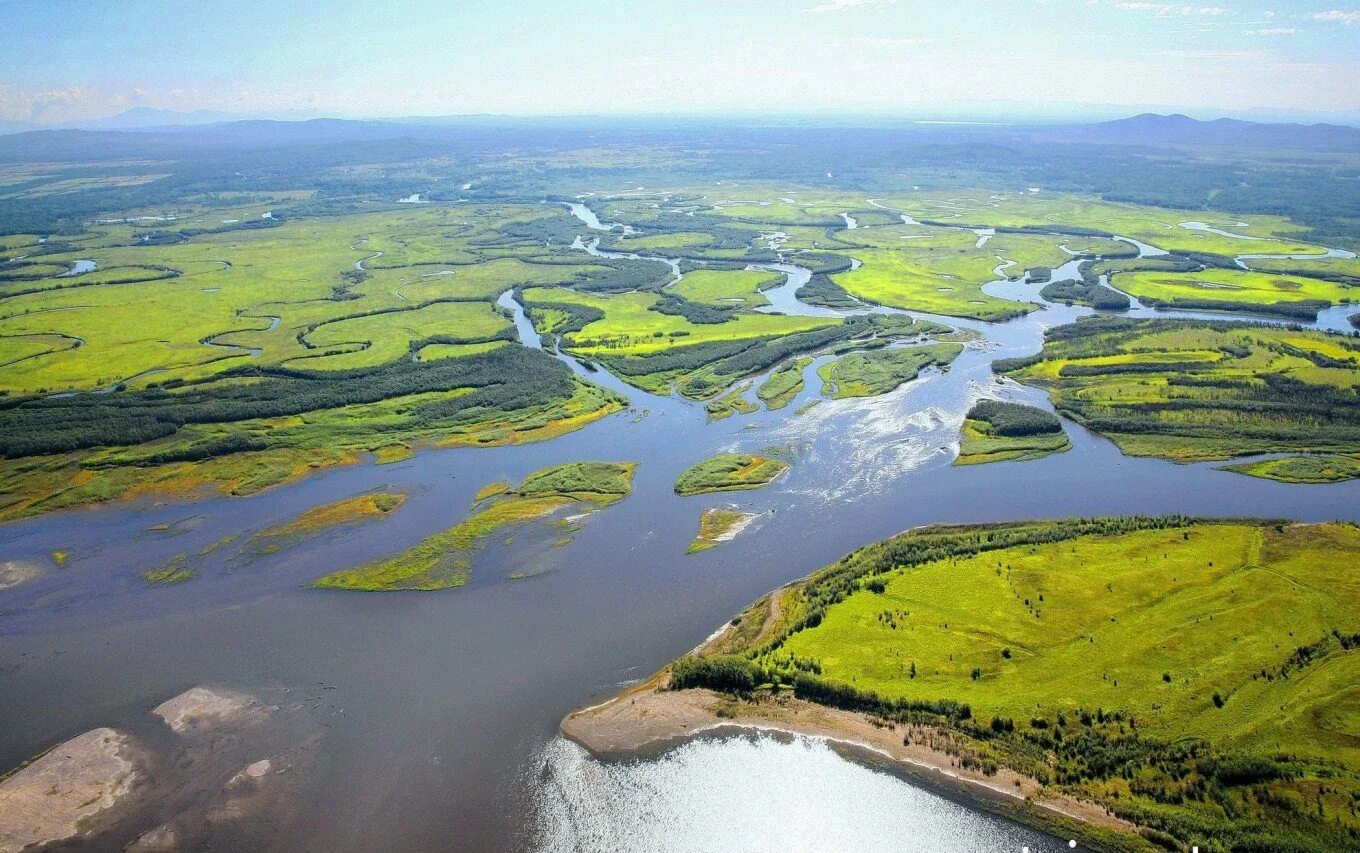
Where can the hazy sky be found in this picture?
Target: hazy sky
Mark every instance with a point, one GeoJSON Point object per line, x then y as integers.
{"type": "Point", "coordinates": [67, 59]}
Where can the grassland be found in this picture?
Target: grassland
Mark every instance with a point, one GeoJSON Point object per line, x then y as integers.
{"type": "Point", "coordinates": [1234, 290]}
{"type": "Point", "coordinates": [718, 525]}
{"type": "Point", "coordinates": [729, 472]}
{"type": "Point", "coordinates": [784, 384]}
{"type": "Point", "coordinates": [937, 270]}
{"type": "Point", "coordinates": [445, 560]}
{"type": "Point", "coordinates": [1194, 678]}
{"type": "Point", "coordinates": [1302, 469]}
{"type": "Point", "coordinates": [1189, 390]}
{"type": "Point", "coordinates": [995, 431]}
{"type": "Point", "coordinates": [727, 287]}
{"type": "Point", "coordinates": [327, 305]}
{"type": "Point", "coordinates": [630, 327]}
{"type": "Point", "coordinates": [868, 374]}
{"type": "Point", "coordinates": [1157, 226]}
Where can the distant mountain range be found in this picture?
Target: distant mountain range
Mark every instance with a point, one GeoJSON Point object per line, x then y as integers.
{"type": "Point", "coordinates": [168, 129]}
{"type": "Point", "coordinates": [1181, 130]}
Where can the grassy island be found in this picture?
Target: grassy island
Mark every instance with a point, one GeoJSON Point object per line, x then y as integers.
{"type": "Point", "coordinates": [444, 560]}
{"type": "Point", "coordinates": [728, 472]}
{"type": "Point", "coordinates": [998, 431]}
{"type": "Point", "coordinates": [868, 374]}
{"type": "Point", "coordinates": [717, 525]}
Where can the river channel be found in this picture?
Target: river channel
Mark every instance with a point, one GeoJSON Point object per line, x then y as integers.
{"type": "Point", "coordinates": [438, 727]}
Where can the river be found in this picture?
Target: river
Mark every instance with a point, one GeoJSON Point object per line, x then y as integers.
{"type": "Point", "coordinates": [440, 731]}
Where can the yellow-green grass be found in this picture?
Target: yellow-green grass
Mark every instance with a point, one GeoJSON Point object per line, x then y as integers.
{"type": "Point", "coordinates": [981, 444]}
{"type": "Point", "coordinates": [1199, 390]}
{"type": "Point", "coordinates": [376, 339]}
{"type": "Point", "coordinates": [732, 403]}
{"type": "Point", "coordinates": [1157, 226]}
{"type": "Point", "coordinates": [868, 374]}
{"type": "Point", "coordinates": [445, 560]}
{"type": "Point", "coordinates": [729, 472]}
{"type": "Point", "coordinates": [300, 445]}
{"type": "Point", "coordinates": [1153, 623]}
{"type": "Point", "coordinates": [1302, 469]}
{"type": "Point", "coordinates": [718, 525]}
{"type": "Point", "coordinates": [629, 328]}
{"type": "Point", "coordinates": [324, 519]}
{"type": "Point", "coordinates": [1242, 287]}
{"type": "Point", "coordinates": [177, 569]}
{"type": "Point", "coordinates": [784, 384]}
{"type": "Point", "coordinates": [727, 287]}
{"type": "Point", "coordinates": [936, 270]}
{"type": "Point", "coordinates": [232, 282]}
{"type": "Point", "coordinates": [491, 490]}
{"type": "Point", "coordinates": [1316, 266]}
{"type": "Point", "coordinates": [434, 352]}
{"type": "Point", "coordinates": [666, 243]}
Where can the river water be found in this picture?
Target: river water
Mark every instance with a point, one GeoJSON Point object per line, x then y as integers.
{"type": "Point", "coordinates": [439, 727]}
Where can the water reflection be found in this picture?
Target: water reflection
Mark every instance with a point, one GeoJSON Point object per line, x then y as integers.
{"type": "Point", "coordinates": [755, 792]}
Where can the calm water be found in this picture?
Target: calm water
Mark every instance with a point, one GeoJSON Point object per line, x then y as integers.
{"type": "Point", "coordinates": [441, 709]}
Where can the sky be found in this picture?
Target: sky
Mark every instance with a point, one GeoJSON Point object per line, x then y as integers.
{"type": "Point", "coordinates": [71, 60]}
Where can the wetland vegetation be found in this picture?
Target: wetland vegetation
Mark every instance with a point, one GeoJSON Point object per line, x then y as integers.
{"type": "Point", "coordinates": [728, 472]}
{"type": "Point", "coordinates": [445, 560]}
{"type": "Point", "coordinates": [1145, 664]}
{"type": "Point", "coordinates": [190, 315]}
{"type": "Point", "coordinates": [998, 431]}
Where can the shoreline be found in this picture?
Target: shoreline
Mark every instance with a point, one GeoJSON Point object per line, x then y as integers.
{"type": "Point", "coordinates": [647, 719]}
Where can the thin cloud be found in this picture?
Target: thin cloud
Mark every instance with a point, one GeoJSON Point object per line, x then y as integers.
{"type": "Point", "coordinates": [1338, 16]}
{"type": "Point", "coordinates": [1168, 9]}
{"type": "Point", "coordinates": [847, 5]}
{"type": "Point", "coordinates": [1274, 31]}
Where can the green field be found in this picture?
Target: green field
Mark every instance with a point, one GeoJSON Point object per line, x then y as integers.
{"type": "Point", "coordinates": [1128, 661]}
{"type": "Point", "coordinates": [1302, 469]}
{"type": "Point", "coordinates": [784, 384]}
{"type": "Point", "coordinates": [445, 560]}
{"type": "Point", "coordinates": [1187, 390]}
{"type": "Point", "coordinates": [727, 287]}
{"type": "Point", "coordinates": [868, 374]}
{"type": "Point", "coordinates": [1234, 290]}
{"type": "Point", "coordinates": [729, 472]}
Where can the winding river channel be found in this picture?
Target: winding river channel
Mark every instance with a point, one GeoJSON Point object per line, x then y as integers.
{"type": "Point", "coordinates": [438, 727]}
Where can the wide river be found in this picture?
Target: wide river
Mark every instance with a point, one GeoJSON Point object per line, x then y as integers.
{"type": "Point", "coordinates": [433, 716]}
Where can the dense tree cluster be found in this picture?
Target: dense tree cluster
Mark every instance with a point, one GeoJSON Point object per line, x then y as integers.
{"type": "Point", "coordinates": [504, 379]}
{"type": "Point", "coordinates": [1014, 419]}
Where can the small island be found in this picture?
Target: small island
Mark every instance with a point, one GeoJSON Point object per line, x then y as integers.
{"type": "Point", "coordinates": [728, 472]}
{"type": "Point", "coordinates": [444, 561]}
{"type": "Point", "coordinates": [998, 431]}
{"type": "Point", "coordinates": [720, 524]}
{"type": "Point", "coordinates": [868, 374]}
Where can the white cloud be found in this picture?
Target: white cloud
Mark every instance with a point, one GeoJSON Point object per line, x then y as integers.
{"type": "Point", "coordinates": [1274, 31]}
{"type": "Point", "coordinates": [1172, 8]}
{"type": "Point", "coordinates": [891, 41]}
{"type": "Point", "coordinates": [1338, 16]}
{"type": "Point", "coordinates": [846, 5]}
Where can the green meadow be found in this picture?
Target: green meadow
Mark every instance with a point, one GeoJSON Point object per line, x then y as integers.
{"type": "Point", "coordinates": [1196, 678]}
{"type": "Point", "coordinates": [1189, 389]}
{"type": "Point", "coordinates": [729, 472]}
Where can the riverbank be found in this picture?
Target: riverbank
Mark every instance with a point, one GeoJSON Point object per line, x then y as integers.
{"type": "Point", "coordinates": [647, 719]}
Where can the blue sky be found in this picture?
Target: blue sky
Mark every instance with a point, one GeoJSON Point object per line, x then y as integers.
{"type": "Point", "coordinates": [70, 59]}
